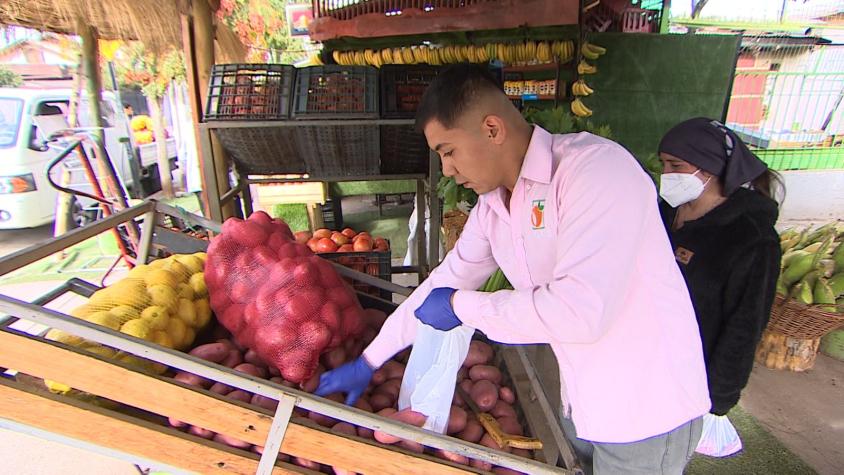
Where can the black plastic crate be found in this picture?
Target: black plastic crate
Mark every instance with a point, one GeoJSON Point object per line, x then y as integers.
{"type": "Point", "coordinates": [403, 150]}
{"type": "Point", "coordinates": [339, 150]}
{"type": "Point", "coordinates": [263, 150]}
{"type": "Point", "coordinates": [336, 92]}
{"type": "Point", "coordinates": [402, 87]}
{"type": "Point", "coordinates": [250, 92]}
{"type": "Point", "coordinates": [332, 214]}
{"type": "Point", "coordinates": [374, 263]}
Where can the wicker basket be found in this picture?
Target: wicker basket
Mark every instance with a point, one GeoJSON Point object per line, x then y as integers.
{"type": "Point", "coordinates": [453, 222]}
{"type": "Point", "coordinates": [798, 320]}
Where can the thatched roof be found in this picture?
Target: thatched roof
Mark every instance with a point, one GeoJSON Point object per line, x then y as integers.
{"type": "Point", "coordinates": [154, 22]}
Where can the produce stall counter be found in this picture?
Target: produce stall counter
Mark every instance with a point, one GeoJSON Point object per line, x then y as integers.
{"type": "Point", "coordinates": [127, 406]}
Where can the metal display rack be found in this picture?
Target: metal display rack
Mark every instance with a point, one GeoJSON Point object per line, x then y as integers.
{"type": "Point", "coordinates": [426, 183]}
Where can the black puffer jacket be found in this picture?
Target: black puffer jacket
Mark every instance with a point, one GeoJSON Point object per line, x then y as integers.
{"type": "Point", "coordinates": [730, 258]}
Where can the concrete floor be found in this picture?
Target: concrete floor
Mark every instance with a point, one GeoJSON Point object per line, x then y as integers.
{"type": "Point", "coordinates": [12, 240]}
{"type": "Point", "coordinates": [805, 411]}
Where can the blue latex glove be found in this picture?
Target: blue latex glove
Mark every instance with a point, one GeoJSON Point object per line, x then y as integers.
{"type": "Point", "coordinates": [436, 310]}
{"type": "Point", "coordinates": [352, 378]}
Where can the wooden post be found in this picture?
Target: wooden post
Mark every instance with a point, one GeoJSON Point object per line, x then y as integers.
{"type": "Point", "coordinates": [778, 351]}
{"type": "Point", "coordinates": [203, 60]}
{"type": "Point", "coordinates": [154, 104]}
{"type": "Point", "coordinates": [93, 86]}
{"type": "Point", "coordinates": [65, 200]}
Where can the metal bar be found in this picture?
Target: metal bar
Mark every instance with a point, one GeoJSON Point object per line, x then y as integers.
{"type": "Point", "coordinates": [38, 251]}
{"type": "Point", "coordinates": [276, 435]}
{"type": "Point", "coordinates": [786, 73]}
{"type": "Point", "coordinates": [229, 195]}
{"type": "Point", "coordinates": [421, 259]}
{"type": "Point", "coordinates": [371, 280]}
{"type": "Point", "coordinates": [434, 205]}
{"type": "Point", "coordinates": [414, 176]}
{"type": "Point", "coordinates": [193, 219]}
{"type": "Point", "coordinates": [192, 364]}
{"type": "Point", "coordinates": [300, 123]}
{"type": "Point", "coordinates": [212, 190]}
{"type": "Point", "coordinates": [147, 232]}
{"type": "Point", "coordinates": [246, 195]}
{"type": "Point", "coordinates": [404, 269]}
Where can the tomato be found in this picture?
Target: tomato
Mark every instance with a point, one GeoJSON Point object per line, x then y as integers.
{"type": "Point", "coordinates": [349, 232]}
{"type": "Point", "coordinates": [339, 239]}
{"type": "Point", "coordinates": [346, 248]}
{"type": "Point", "coordinates": [303, 237]}
{"type": "Point", "coordinates": [361, 235]}
{"type": "Point", "coordinates": [322, 233]}
{"type": "Point", "coordinates": [363, 245]}
{"type": "Point", "coordinates": [381, 244]}
{"type": "Point", "coordinates": [312, 242]}
{"type": "Point", "coordinates": [326, 245]}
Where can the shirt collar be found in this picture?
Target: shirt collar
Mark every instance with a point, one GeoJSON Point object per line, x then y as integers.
{"type": "Point", "coordinates": [537, 164]}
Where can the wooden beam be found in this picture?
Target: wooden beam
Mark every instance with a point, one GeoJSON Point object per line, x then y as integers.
{"type": "Point", "coordinates": [479, 16]}
{"type": "Point", "coordinates": [163, 396]}
{"type": "Point", "coordinates": [88, 423]}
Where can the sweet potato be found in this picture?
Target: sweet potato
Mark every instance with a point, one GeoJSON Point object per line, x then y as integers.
{"type": "Point", "coordinates": [273, 371]}
{"type": "Point", "coordinates": [473, 431]}
{"type": "Point", "coordinates": [251, 370]}
{"type": "Point", "coordinates": [482, 371]}
{"type": "Point", "coordinates": [265, 402]}
{"type": "Point", "coordinates": [200, 432]}
{"type": "Point", "coordinates": [363, 404]}
{"type": "Point", "coordinates": [456, 420]}
{"type": "Point", "coordinates": [412, 446]}
{"type": "Point", "coordinates": [374, 318]}
{"type": "Point", "coordinates": [479, 353]}
{"type": "Point", "coordinates": [378, 377]}
{"type": "Point", "coordinates": [239, 395]}
{"type": "Point", "coordinates": [393, 370]}
{"type": "Point", "coordinates": [507, 395]}
{"type": "Point", "coordinates": [220, 388]}
{"type": "Point", "coordinates": [309, 464]}
{"type": "Point", "coordinates": [457, 400]}
{"type": "Point", "coordinates": [380, 401]}
{"type": "Point", "coordinates": [334, 358]}
{"type": "Point", "coordinates": [403, 356]}
{"type": "Point", "coordinates": [510, 425]}
{"type": "Point", "coordinates": [462, 373]}
{"type": "Point", "coordinates": [192, 379]}
{"type": "Point", "coordinates": [479, 464]}
{"type": "Point", "coordinates": [485, 394]}
{"type": "Point", "coordinates": [344, 428]}
{"type": "Point", "coordinates": [322, 419]}
{"type": "Point", "coordinates": [407, 416]}
{"type": "Point", "coordinates": [452, 457]}
{"type": "Point", "coordinates": [252, 357]}
{"type": "Point", "coordinates": [213, 352]}
{"type": "Point", "coordinates": [260, 451]}
{"type": "Point", "coordinates": [233, 359]}
{"type": "Point", "coordinates": [466, 385]}
{"type": "Point", "coordinates": [502, 409]}
{"type": "Point", "coordinates": [176, 423]}
{"type": "Point", "coordinates": [231, 441]}
{"type": "Point", "coordinates": [391, 387]}
{"type": "Point", "coordinates": [312, 384]}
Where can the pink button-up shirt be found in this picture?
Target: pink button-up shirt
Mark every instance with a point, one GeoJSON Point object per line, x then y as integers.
{"type": "Point", "coordinates": [594, 277]}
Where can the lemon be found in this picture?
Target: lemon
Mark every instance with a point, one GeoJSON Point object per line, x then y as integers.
{"type": "Point", "coordinates": [187, 312]}
{"type": "Point", "coordinates": [124, 313]}
{"type": "Point", "coordinates": [156, 317]}
{"type": "Point", "coordinates": [105, 319]}
{"type": "Point", "coordinates": [138, 328]}
{"type": "Point", "coordinates": [162, 277]}
{"type": "Point", "coordinates": [82, 311]}
{"type": "Point", "coordinates": [197, 282]}
{"type": "Point", "coordinates": [203, 312]}
{"type": "Point", "coordinates": [162, 338]}
{"type": "Point", "coordinates": [186, 291]}
{"type": "Point", "coordinates": [193, 263]}
{"type": "Point", "coordinates": [100, 350]}
{"type": "Point", "coordinates": [177, 329]}
{"type": "Point", "coordinates": [64, 337]}
{"type": "Point", "coordinates": [190, 334]}
{"type": "Point", "coordinates": [164, 296]}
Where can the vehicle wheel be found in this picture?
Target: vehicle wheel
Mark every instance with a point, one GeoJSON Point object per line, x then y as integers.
{"type": "Point", "coordinates": [77, 216]}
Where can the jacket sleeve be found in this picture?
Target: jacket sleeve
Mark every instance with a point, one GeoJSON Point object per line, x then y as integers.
{"type": "Point", "coordinates": [467, 266]}
{"type": "Point", "coordinates": [748, 296]}
{"type": "Point", "coordinates": [606, 208]}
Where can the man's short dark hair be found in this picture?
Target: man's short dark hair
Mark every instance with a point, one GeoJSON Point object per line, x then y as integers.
{"type": "Point", "coordinates": [452, 92]}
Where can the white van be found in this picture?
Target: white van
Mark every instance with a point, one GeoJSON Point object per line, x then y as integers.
{"type": "Point", "coordinates": [27, 118]}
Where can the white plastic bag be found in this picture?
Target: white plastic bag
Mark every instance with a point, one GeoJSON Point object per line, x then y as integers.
{"type": "Point", "coordinates": [719, 438]}
{"type": "Point", "coordinates": [431, 373]}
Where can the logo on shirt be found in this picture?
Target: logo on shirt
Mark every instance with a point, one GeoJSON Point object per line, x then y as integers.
{"type": "Point", "coordinates": [683, 255]}
{"type": "Point", "coordinates": [537, 214]}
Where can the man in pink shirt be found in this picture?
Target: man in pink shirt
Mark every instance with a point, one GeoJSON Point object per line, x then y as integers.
{"type": "Point", "coordinates": [572, 221]}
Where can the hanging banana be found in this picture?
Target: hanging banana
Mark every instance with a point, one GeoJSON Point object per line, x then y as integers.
{"type": "Point", "coordinates": [579, 108]}
{"type": "Point", "coordinates": [580, 88]}
{"type": "Point", "coordinates": [585, 68]}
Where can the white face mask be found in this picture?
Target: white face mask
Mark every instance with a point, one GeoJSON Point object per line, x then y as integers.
{"type": "Point", "coordinates": [680, 188]}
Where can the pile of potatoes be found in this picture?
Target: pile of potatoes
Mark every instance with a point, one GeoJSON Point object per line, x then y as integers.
{"type": "Point", "coordinates": [477, 377]}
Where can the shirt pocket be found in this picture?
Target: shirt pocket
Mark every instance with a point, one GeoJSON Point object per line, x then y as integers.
{"type": "Point", "coordinates": [539, 235]}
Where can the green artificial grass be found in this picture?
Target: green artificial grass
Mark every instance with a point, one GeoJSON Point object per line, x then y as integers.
{"type": "Point", "coordinates": [762, 453]}
{"type": "Point", "coordinates": [295, 215]}
{"type": "Point", "coordinates": [383, 187]}
{"type": "Point", "coordinates": [392, 226]}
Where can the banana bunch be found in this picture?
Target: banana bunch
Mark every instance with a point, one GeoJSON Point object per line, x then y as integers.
{"type": "Point", "coordinates": [591, 51]}
{"type": "Point", "coordinates": [580, 88]}
{"type": "Point", "coordinates": [165, 302]}
{"type": "Point", "coordinates": [527, 52]}
{"type": "Point", "coordinates": [579, 108]}
{"type": "Point", "coordinates": [813, 266]}
{"type": "Point", "coordinates": [585, 68]}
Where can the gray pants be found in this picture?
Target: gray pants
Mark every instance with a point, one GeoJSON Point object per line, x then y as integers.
{"type": "Point", "coordinates": [665, 454]}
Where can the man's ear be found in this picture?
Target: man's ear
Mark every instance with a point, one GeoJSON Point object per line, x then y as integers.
{"type": "Point", "coordinates": [494, 129]}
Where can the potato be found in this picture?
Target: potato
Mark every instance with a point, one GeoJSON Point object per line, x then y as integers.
{"type": "Point", "coordinates": [393, 370]}
{"type": "Point", "coordinates": [481, 371]}
{"type": "Point", "coordinates": [457, 400]}
{"type": "Point", "coordinates": [265, 402]}
{"type": "Point", "coordinates": [507, 395]}
{"type": "Point", "coordinates": [251, 370]}
{"type": "Point", "coordinates": [344, 428]}
{"type": "Point", "coordinates": [334, 358]}
{"type": "Point", "coordinates": [473, 431]}
{"type": "Point", "coordinates": [406, 416]}
{"type": "Point", "coordinates": [506, 471]}
{"type": "Point", "coordinates": [403, 356]}
{"type": "Point", "coordinates": [488, 441]}
{"type": "Point", "coordinates": [232, 442]}
{"type": "Point", "coordinates": [479, 353]}
{"type": "Point", "coordinates": [412, 446]}
{"type": "Point", "coordinates": [374, 318]}
{"type": "Point", "coordinates": [310, 464]}
{"type": "Point", "coordinates": [252, 357]}
{"type": "Point", "coordinates": [391, 387]}
{"type": "Point", "coordinates": [233, 359]}
{"type": "Point", "coordinates": [239, 395]}
{"type": "Point", "coordinates": [380, 401]}
{"type": "Point", "coordinates": [378, 378]}
{"type": "Point", "coordinates": [466, 386]}
{"type": "Point", "coordinates": [452, 457]}
{"type": "Point", "coordinates": [510, 425]}
{"type": "Point", "coordinates": [522, 453]}
{"type": "Point", "coordinates": [462, 373]}
{"type": "Point", "coordinates": [213, 352]}
{"type": "Point", "coordinates": [502, 409]}
{"type": "Point", "coordinates": [192, 379]}
{"type": "Point", "coordinates": [486, 466]}
{"type": "Point", "coordinates": [176, 423]}
{"type": "Point", "coordinates": [456, 420]}
{"type": "Point", "coordinates": [312, 384]}
{"type": "Point", "coordinates": [322, 419]}
{"type": "Point", "coordinates": [220, 388]}
{"type": "Point", "coordinates": [363, 404]}
{"type": "Point", "coordinates": [485, 394]}
{"type": "Point", "coordinates": [200, 432]}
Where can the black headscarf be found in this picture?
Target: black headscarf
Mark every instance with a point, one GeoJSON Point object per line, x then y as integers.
{"type": "Point", "coordinates": [709, 145]}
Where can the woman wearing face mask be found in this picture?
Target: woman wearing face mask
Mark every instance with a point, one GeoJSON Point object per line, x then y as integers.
{"type": "Point", "coordinates": [719, 209]}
